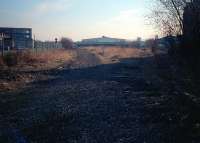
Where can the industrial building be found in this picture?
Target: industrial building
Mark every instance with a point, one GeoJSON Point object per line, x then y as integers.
{"type": "Point", "coordinates": [16, 38]}
{"type": "Point", "coordinates": [102, 41]}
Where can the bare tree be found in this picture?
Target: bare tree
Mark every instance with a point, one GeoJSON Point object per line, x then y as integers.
{"type": "Point", "coordinates": [168, 16]}
{"type": "Point", "coordinates": [67, 43]}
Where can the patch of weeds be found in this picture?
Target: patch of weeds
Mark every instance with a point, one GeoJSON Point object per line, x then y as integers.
{"type": "Point", "coordinates": [1, 62]}
{"type": "Point", "coordinates": [10, 59]}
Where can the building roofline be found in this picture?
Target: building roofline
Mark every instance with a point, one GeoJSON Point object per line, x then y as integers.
{"type": "Point", "coordinates": [15, 28]}
{"type": "Point", "coordinates": [103, 38]}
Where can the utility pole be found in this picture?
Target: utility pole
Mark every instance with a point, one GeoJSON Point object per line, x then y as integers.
{"type": "Point", "coordinates": [1, 39]}
{"type": "Point", "coordinates": [34, 42]}
{"type": "Point", "coordinates": [2, 43]}
{"type": "Point", "coordinates": [56, 42]}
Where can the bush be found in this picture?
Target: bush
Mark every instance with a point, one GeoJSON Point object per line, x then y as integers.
{"type": "Point", "coordinates": [1, 61]}
{"type": "Point", "coordinates": [14, 58]}
{"type": "Point", "coordinates": [67, 43]}
{"type": "Point", "coordinates": [29, 57]}
{"type": "Point", "coordinates": [10, 59]}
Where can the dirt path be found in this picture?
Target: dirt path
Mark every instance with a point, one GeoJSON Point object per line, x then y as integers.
{"type": "Point", "coordinates": [121, 102]}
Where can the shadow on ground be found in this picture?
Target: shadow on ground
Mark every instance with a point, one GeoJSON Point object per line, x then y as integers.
{"type": "Point", "coordinates": [114, 103]}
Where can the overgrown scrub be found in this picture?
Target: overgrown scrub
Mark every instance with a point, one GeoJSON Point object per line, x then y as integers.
{"type": "Point", "coordinates": [36, 57]}
{"type": "Point", "coordinates": [17, 68]}
{"type": "Point", "coordinates": [1, 61]}
{"type": "Point", "coordinates": [113, 54]}
{"type": "Point", "coordinates": [10, 59]}
{"type": "Point", "coordinates": [67, 43]}
{"type": "Point", "coordinates": [26, 57]}
{"type": "Point", "coordinates": [13, 58]}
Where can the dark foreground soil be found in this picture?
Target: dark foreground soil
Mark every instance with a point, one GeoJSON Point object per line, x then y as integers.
{"type": "Point", "coordinates": [133, 101]}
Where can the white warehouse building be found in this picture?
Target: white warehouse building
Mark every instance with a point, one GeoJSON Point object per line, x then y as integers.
{"type": "Point", "coordinates": [102, 41]}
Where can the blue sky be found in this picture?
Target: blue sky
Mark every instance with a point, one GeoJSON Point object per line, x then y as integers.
{"type": "Point", "coordinates": [78, 19]}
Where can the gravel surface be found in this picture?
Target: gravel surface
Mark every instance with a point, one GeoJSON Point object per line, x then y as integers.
{"type": "Point", "coordinates": [125, 102]}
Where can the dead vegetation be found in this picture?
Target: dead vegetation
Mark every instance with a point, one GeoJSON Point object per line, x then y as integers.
{"type": "Point", "coordinates": [17, 67]}
{"type": "Point", "coordinates": [1, 62]}
{"type": "Point", "coordinates": [36, 59]}
{"type": "Point", "coordinates": [114, 54]}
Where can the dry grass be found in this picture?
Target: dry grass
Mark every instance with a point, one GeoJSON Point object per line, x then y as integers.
{"type": "Point", "coordinates": [51, 58]}
{"type": "Point", "coordinates": [37, 60]}
{"type": "Point", "coordinates": [114, 54]}
{"type": "Point", "coordinates": [18, 74]}
{"type": "Point", "coordinates": [58, 55]}
{"type": "Point", "coordinates": [17, 66]}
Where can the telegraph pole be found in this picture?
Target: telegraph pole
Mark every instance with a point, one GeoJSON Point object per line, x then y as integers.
{"type": "Point", "coordinates": [56, 42]}
{"type": "Point", "coordinates": [34, 42]}
{"type": "Point", "coordinates": [2, 44]}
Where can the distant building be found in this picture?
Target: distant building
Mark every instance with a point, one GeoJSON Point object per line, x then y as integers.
{"type": "Point", "coordinates": [18, 38]}
{"type": "Point", "coordinates": [102, 41]}
{"type": "Point", "coordinates": [47, 44]}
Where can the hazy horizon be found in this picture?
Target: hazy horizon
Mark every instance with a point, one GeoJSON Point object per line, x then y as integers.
{"type": "Point", "coordinates": [78, 19]}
